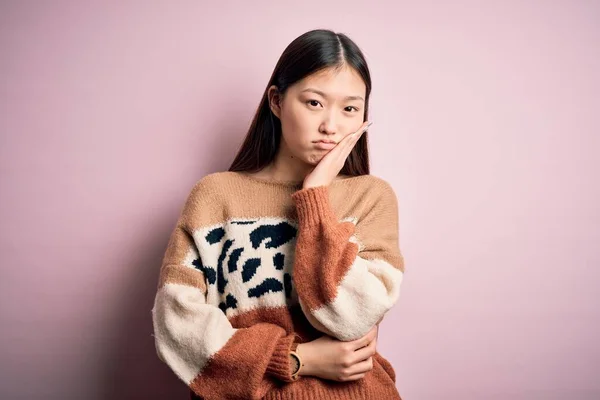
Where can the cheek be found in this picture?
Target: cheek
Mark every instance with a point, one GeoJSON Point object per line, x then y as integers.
{"type": "Point", "coordinates": [296, 126]}
{"type": "Point", "coordinates": [300, 117]}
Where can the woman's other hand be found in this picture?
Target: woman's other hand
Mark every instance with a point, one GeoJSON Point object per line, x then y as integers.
{"type": "Point", "coordinates": [333, 162]}
{"type": "Point", "coordinates": [332, 359]}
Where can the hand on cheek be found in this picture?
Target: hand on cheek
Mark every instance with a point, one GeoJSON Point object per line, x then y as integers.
{"type": "Point", "coordinates": [333, 162]}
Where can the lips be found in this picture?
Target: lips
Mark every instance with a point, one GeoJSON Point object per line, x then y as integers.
{"type": "Point", "coordinates": [325, 145]}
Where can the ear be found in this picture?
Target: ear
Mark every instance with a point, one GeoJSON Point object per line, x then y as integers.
{"type": "Point", "coordinates": [275, 99]}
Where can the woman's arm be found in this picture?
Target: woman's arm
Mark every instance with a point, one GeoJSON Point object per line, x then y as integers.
{"type": "Point", "coordinates": [197, 341]}
{"type": "Point", "coordinates": [345, 287]}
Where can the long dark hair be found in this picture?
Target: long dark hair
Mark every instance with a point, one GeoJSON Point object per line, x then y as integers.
{"type": "Point", "coordinates": [307, 54]}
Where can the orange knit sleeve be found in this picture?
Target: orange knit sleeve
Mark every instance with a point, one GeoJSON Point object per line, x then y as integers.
{"type": "Point", "coordinates": [197, 341]}
{"type": "Point", "coordinates": [347, 276]}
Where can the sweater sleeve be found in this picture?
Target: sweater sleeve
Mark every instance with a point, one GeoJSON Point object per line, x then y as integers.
{"type": "Point", "coordinates": [197, 341]}
{"type": "Point", "coordinates": [347, 276]}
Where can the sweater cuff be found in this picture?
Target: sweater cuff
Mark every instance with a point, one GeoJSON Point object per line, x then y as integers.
{"type": "Point", "coordinates": [312, 205]}
{"type": "Point", "coordinates": [280, 365]}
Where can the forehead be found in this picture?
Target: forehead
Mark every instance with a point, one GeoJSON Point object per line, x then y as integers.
{"type": "Point", "coordinates": [342, 82]}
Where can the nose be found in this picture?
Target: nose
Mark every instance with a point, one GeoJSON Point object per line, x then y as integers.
{"type": "Point", "coordinates": [328, 125]}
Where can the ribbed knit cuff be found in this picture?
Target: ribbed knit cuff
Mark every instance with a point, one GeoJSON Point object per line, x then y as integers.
{"type": "Point", "coordinates": [280, 365]}
{"type": "Point", "coordinates": [312, 205]}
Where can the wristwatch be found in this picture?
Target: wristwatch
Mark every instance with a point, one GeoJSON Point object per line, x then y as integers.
{"type": "Point", "coordinates": [297, 361]}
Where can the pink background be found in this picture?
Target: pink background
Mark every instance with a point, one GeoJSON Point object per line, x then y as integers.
{"type": "Point", "coordinates": [486, 124]}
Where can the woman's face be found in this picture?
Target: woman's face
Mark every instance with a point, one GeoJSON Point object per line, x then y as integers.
{"type": "Point", "coordinates": [327, 105]}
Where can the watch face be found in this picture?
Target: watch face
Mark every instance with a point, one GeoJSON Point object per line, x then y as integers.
{"type": "Point", "coordinates": [296, 363]}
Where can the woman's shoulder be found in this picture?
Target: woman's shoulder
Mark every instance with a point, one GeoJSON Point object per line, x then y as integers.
{"type": "Point", "coordinates": [214, 182]}
{"type": "Point", "coordinates": [213, 178]}
{"type": "Point", "coordinates": [208, 197]}
{"type": "Point", "coordinates": [210, 187]}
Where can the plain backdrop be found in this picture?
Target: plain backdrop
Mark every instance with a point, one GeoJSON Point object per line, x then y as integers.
{"type": "Point", "coordinates": [486, 124]}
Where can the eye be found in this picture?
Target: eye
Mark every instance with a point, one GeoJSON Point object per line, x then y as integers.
{"type": "Point", "coordinates": [355, 109]}
{"type": "Point", "coordinates": [311, 102]}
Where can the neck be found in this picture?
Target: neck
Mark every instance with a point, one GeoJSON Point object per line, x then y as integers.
{"type": "Point", "coordinates": [286, 167]}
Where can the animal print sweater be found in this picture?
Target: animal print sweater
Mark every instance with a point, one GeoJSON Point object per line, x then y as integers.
{"type": "Point", "coordinates": [253, 266]}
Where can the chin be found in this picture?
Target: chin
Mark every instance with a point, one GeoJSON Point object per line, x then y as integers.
{"type": "Point", "coordinates": [314, 159]}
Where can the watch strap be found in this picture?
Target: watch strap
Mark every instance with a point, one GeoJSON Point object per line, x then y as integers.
{"type": "Point", "coordinates": [296, 356]}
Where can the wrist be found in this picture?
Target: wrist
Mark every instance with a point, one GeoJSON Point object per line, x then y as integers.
{"type": "Point", "coordinates": [307, 367]}
{"type": "Point", "coordinates": [313, 185]}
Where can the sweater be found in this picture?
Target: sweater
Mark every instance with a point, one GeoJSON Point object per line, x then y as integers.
{"type": "Point", "coordinates": [254, 266]}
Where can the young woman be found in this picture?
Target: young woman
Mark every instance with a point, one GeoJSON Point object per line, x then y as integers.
{"type": "Point", "coordinates": [280, 269]}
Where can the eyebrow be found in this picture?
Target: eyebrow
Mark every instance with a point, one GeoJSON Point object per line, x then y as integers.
{"type": "Point", "coordinates": [324, 95]}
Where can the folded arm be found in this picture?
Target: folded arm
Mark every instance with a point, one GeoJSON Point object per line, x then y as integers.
{"type": "Point", "coordinates": [197, 341]}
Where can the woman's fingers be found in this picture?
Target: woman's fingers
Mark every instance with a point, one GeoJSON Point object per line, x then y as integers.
{"type": "Point", "coordinates": [365, 340]}
{"type": "Point", "coordinates": [359, 368]}
{"type": "Point", "coordinates": [351, 140]}
{"type": "Point", "coordinates": [366, 352]}
{"type": "Point", "coordinates": [354, 377]}
{"type": "Point", "coordinates": [353, 137]}
{"type": "Point", "coordinates": [340, 152]}
{"type": "Point", "coordinates": [348, 142]}
{"type": "Point", "coordinates": [361, 361]}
